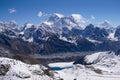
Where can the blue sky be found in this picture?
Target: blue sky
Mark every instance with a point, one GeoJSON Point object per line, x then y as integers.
{"type": "Point", "coordinates": [27, 10]}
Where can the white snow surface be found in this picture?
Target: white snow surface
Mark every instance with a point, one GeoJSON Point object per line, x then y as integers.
{"type": "Point", "coordinates": [30, 39]}
{"type": "Point", "coordinates": [94, 58]}
{"type": "Point", "coordinates": [112, 37]}
{"type": "Point", "coordinates": [59, 15]}
{"type": "Point", "coordinates": [93, 41]}
{"type": "Point", "coordinates": [21, 71]}
{"type": "Point", "coordinates": [107, 67]}
{"type": "Point", "coordinates": [28, 25]}
{"type": "Point", "coordinates": [65, 39]}
{"type": "Point", "coordinates": [48, 23]}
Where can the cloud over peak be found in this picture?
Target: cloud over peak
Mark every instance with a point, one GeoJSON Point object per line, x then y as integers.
{"type": "Point", "coordinates": [12, 10]}
{"type": "Point", "coordinates": [78, 18]}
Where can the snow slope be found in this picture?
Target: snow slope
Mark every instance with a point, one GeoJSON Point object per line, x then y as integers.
{"type": "Point", "coordinates": [106, 66]}
{"type": "Point", "coordinates": [11, 69]}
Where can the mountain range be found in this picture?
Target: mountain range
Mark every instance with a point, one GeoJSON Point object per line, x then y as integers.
{"type": "Point", "coordinates": [93, 49]}
{"type": "Point", "coordinates": [59, 34]}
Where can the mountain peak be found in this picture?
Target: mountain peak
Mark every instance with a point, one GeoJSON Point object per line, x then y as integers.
{"type": "Point", "coordinates": [106, 24]}
{"type": "Point", "coordinates": [54, 17]}
{"type": "Point", "coordinates": [28, 25]}
{"type": "Point", "coordinates": [13, 22]}
{"type": "Point", "coordinates": [58, 15]}
{"type": "Point", "coordinates": [59, 21]}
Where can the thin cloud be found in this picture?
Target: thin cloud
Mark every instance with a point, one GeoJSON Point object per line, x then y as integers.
{"type": "Point", "coordinates": [40, 14]}
{"type": "Point", "coordinates": [12, 10]}
{"type": "Point", "coordinates": [93, 17]}
{"type": "Point", "coordinates": [78, 18]}
{"type": "Point", "coordinates": [90, 20]}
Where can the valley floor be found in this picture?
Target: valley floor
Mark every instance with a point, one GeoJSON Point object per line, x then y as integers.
{"type": "Point", "coordinates": [61, 57]}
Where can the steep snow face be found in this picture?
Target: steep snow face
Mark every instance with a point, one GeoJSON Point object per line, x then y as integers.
{"type": "Point", "coordinates": [106, 66]}
{"type": "Point", "coordinates": [48, 23]}
{"type": "Point", "coordinates": [59, 15]}
{"type": "Point", "coordinates": [94, 58]}
{"type": "Point", "coordinates": [11, 69]}
{"type": "Point", "coordinates": [107, 62]}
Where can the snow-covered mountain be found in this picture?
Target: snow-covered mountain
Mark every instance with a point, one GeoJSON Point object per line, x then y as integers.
{"type": "Point", "coordinates": [95, 33]}
{"type": "Point", "coordinates": [60, 21]}
{"type": "Point", "coordinates": [60, 31]}
{"type": "Point", "coordinates": [109, 28]}
{"type": "Point", "coordinates": [63, 27]}
{"type": "Point", "coordinates": [104, 66]}
{"type": "Point", "coordinates": [106, 24]}
{"type": "Point", "coordinates": [9, 28]}
{"type": "Point", "coordinates": [59, 34]}
{"type": "Point", "coordinates": [11, 69]}
{"type": "Point", "coordinates": [67, 28]}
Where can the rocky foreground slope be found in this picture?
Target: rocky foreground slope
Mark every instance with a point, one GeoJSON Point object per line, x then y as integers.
{"type": "Point", "coordinates": [11, 69]}
{"type": "Point", "coordinates": [97, 66]}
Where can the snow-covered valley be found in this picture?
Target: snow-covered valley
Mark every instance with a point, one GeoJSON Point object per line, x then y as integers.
{"type": "Point", "coordinates": [96, 66]}
{"type": "Point", "coordinates": [104, 66]}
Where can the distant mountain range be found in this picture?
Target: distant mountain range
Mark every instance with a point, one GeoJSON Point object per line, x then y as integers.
{"type": "Point", "coordinates": [59, 34]}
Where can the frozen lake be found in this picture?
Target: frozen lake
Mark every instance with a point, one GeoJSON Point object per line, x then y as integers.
{"type": "Point", "coordinates": [60, 65]}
